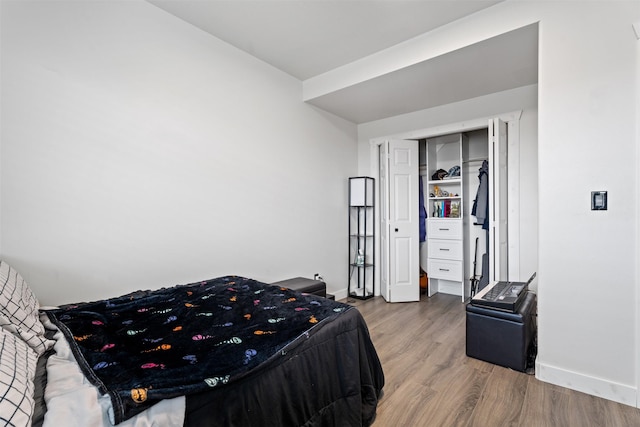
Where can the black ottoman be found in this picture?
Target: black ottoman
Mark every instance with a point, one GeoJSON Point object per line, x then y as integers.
{"type": "Point", "coordinates": [308, 286]}
{"type": "Point", "coordinates": [501, 337]}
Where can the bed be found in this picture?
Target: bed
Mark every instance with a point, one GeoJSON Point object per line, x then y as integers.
{"type": "Point", "coordinates": [229, 351]}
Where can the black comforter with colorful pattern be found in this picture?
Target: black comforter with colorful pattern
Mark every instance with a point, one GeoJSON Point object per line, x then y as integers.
{"type": "Point", "coordinates": [152, 345]}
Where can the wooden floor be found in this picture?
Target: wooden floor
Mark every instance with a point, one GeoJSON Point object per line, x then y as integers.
{"type": "Point", "coordinates": [431, 382]}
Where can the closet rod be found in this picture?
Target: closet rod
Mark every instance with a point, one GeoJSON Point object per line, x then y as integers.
{"type": "Point", "coordinates": [477, 159]}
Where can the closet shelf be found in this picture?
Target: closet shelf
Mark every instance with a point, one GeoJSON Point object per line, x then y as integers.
{"type": "Point", "coordinates": [445, 198]}
{"type": "Point", "coordinates": [445, 218]}
{"type": "Point", "coordinates": [444, 181]}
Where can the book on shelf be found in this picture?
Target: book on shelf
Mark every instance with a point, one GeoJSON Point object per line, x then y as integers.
{"type": "Point", "coordinates": [455, 209]}
{"type": "Point", "coordinates": [446, 209]}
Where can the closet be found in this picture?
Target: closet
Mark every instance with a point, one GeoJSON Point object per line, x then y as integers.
{"type": "Point", "coordinates": [444, 244]}
{"type": "Point", "coordinates": [450, 170]}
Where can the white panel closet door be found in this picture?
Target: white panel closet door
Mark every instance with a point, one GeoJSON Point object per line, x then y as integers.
{"type": "Point", "coordinates": [498, 197]}
{"type": "Point", "coordinates": [383, 171]}
{"type": "Point", "coordinates": [403, 232]}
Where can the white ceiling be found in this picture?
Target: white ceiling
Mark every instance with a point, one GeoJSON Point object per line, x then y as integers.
{"type": "Point", "coordinates": [306, 38]}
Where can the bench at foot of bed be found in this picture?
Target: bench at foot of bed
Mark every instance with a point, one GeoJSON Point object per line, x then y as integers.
{"type": "Point", "coordinates": [308, 286]}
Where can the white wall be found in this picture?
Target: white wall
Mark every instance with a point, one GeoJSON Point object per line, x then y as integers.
{"type": "Point", "coordinates": [138, 152]}
{"type": "Point", "coordinates": [637, 192]}
{"type": "Point", "coordinates": [587, 140]}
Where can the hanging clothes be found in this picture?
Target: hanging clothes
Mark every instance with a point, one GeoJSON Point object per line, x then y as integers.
{"type": "Point", "coordinates": [480, 210]}
{"type": "Point", "coordinates": [480, 207]}
{"type": "Point", "coordinates": [423, 212]}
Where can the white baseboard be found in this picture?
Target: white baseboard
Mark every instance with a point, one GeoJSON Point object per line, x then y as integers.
{"type": "Point", "coordinates": [340, 294]}
{"type": "Point", "coordinates": [620, 393]}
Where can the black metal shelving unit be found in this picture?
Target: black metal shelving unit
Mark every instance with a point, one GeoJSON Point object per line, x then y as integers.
{"type": "Point", "coordinates": [361, 283]}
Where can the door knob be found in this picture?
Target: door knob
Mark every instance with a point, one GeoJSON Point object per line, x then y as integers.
{"type": "Point", "coordinates": [396, 230]}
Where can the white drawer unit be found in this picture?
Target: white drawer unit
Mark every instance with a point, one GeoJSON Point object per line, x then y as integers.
{"type": "Point", "coordinates": [445, 249]}
{"type": "Point", "coordinates": [444, 229]}
{"type": "Point", "coordinates": [445, 262]}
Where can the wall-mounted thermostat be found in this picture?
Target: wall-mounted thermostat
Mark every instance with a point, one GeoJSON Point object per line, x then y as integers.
{"type": "Point", "coordinates": [598, 200]}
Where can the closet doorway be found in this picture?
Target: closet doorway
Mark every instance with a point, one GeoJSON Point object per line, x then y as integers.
{"type": "Point", "coordinates": [501, 243]}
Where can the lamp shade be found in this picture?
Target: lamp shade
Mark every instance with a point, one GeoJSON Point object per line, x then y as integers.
{"type": "Point", "coordinates": [361, 191]}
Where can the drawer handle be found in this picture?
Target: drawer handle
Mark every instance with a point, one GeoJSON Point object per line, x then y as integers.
{"type": "Point", "coordinates": [443, 229]}
{"type": "Point", "coordinates": [444, 249]}
{"type": "Point", "coordinates": [443, 269]}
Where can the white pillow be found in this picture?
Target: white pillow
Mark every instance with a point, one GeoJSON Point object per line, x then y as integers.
{"type": "Point", "coordinates": [17, 373]}
{"type": "Point", "coordinates": [19, 310]}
